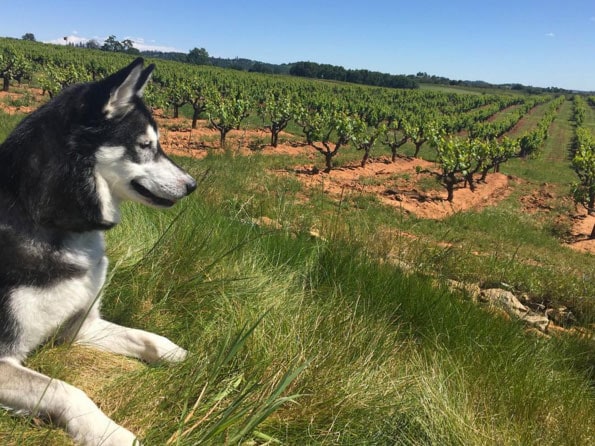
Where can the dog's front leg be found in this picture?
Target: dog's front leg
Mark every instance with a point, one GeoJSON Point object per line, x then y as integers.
{"type": "Point", "coordinates": [148, 347]}
{"type": "Point", "coordinates": [23, 389]}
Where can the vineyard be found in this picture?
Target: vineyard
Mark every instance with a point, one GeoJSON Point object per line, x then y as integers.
{"type": "Point", "coordinates": [457, 190]}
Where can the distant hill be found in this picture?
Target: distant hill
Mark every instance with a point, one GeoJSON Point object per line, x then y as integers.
{"type": "Point", "coordinates": [333, 72]}
{"type": "Point", "coordinates": [308, 69]}
{"type": "Point", "coordinates": [236, 63]}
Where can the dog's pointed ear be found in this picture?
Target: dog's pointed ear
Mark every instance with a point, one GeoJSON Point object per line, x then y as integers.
{"type": "Point", "coordinates": [144, 79]}
{"type": "Point", "coordinates": [123, 86]}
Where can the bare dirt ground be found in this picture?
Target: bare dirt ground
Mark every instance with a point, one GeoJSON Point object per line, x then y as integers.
{"type": "Point", "coordinates": [9, 97]}
{"type": "Point", "coordinates": [581, 229]}
{"type": "Point", "coordinates": [581, 224]}
{"type": "Point", "coordinates": [198, 142]}
{"type": "Point", "coordinates": [397, 185]}
{"type": "Point", "coordinates": [393, 184]}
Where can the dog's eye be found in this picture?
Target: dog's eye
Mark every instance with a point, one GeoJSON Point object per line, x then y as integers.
{"type": "Point", "coordinates": [145, 145]}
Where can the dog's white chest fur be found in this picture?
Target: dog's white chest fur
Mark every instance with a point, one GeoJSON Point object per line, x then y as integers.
{"type": "Point", "coordinates": [53, 265]}
{"type": "Point", "coordinates": [41, 311]}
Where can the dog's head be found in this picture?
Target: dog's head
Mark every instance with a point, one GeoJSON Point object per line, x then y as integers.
{"type": "Point", "coordinates": [130, 164]}
{"type": "Point", "coordinates": [70, 163]}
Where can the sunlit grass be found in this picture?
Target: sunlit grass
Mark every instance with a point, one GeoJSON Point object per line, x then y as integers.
{"type": "Point", "coordinates": [301, 339]}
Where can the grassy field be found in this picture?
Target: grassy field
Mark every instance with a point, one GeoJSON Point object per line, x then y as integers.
{"type": "Point", "coordinates": [305, 339]}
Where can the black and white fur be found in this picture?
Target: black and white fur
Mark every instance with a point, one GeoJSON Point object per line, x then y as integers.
{"type": "Point", "coordinates": [64, 171]}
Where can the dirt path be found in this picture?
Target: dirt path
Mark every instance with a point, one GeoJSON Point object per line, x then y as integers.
{"type": "Point", "coordinates": [529, 121]}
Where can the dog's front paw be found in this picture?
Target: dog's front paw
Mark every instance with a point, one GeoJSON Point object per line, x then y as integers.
{"type": "Point", "coordinates": [103, 434]}
{"type": "Point", "coordinates": [162, 349]}
{"type": "Point", "coordinates": [120, 437]}
{"type": "Point", "coordinates": [178, 354]}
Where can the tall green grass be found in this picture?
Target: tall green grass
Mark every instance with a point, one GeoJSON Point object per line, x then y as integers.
{"type": "Point", "coordinates": [304, 340]}
{"type": "Point", "coordinates": [387, 358]}
{"type": "Point", "coordinates": [378, 357]}
{"type": "Point", "coordinates": [7, 123]}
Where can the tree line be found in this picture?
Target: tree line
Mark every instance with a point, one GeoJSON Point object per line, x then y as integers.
{"type": "Point", "coordinates": [338, 73]}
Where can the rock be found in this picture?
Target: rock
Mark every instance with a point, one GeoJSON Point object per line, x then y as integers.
{"type": "Point", "coordinates": [505, 300]}
{"type": "Point", "coordinates": [560, 316]}
{"type": "Point", "coordinates": [540, 322]}
{"type": "Point", "coordinates": [508, 302]}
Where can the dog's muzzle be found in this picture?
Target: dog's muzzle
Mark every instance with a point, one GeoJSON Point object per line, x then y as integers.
{"type": "Point", "coordinates": [163, 195]}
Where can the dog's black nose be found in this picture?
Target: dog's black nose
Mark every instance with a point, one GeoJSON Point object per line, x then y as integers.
{"type": "Point", "coordinates": [190, 187]}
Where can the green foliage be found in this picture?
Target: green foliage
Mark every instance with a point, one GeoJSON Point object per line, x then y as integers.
{"type": "Point", "coordinates": [461, 158]}
{"type": "Point", "coordinates": [113, 45]}
{"type": "Point", "coordinates": [583, 162]}
{"type": "Point", "coordinates": [395, 135]}
{"type": "Point", "coordinates": [325, 71]}
{"type": "Point", "coordinates": [198, 56]}
{"type": "Point", "coordinates": [497, 128]}
{"type": "Point", "coordinates": [365, 134]}
{"type": "Point", "coordinates": [54, 78]}
{"type": "Point", "coordinates": [419, 130]}
{"type": "Point", "coordinates": [580, 110]}
{"type": "Point", "coordinates": [13, 65]}
{"type": "Point", "coordinates": [329, 129]}
{"type": "Point", "coordinates": [226, 110]}
{"type": "Point", "coordinates": [532, 141]}
{"type": "Point", "coordinates": [276, 110]}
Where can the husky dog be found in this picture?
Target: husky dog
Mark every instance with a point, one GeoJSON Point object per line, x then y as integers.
{"type": "Point", "coordinates": [64, 171]}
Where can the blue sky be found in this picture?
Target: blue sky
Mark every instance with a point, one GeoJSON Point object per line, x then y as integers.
{"type": "Point", "coordinates": [535, 42]}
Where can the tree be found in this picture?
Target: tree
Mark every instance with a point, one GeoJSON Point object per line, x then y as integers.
{"type": "Point", "coordinates": [498, 153]}
{"type": "Point", "coordinates": [198, 96]}
{"type": "Point", "coordinates": [177, 91]}
{"type": "Point", "coordinates": [419, 131]}
{"type": "Point", "coordinates": [364, 135]}
{"type": "Point", "coordinates": [29, 36]}
{"type": "Point", "coordinates": [395, 136]}
{"type": "Point", "coordinates": [308, 117]}
{"type": "Point", "coordinates": [583, 163]}
{"type": "Point", "coordinates": [332, 127]}
{"type": "Point", "coordinates": [276, 111]}
{"type": "Point", "coordinates": [455, 161]}
{"type": "Point", "coordinates": [198, 56]}
{"type": "Point", "coordinates": [112, 44]}
{"type": "Point", "coordinates": [92, 44]}
{"type": "Point", "coordinates": [54, 78]}
{"type": "Point", "coordinates": [13, 65]}
{"type": "Point", "coordinates": [227, 111]}
{"type": "Point", "coordinates": [128, 47]}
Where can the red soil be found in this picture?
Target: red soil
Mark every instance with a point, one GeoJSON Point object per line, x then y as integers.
{"type": "Point", "coordinates": [396, 185]}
